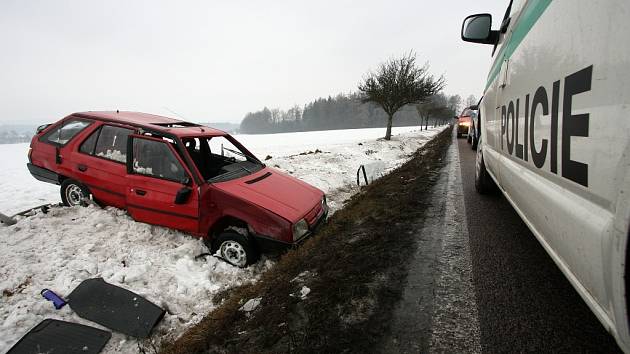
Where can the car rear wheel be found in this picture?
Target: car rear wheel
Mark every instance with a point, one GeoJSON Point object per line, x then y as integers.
{"type": "Point", "coordinates": [74, 193]}
{"type": "Point", "coordinates": [484, 184]}
{"type": "Point", "coordinates": [235, 249]}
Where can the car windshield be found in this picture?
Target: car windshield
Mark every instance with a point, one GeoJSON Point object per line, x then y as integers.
{"type": "Point", "coordinates": [220, 159]}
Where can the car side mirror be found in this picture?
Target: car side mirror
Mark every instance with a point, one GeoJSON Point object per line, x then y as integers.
{"type": "Point", "coordinates": [41, 128]}
{"type": "Point", "coordinates": [183, 195]}
{"type": "Point", "coordinates": [477, 29]}
{"type": "Point", "coordinates": [185, 181]}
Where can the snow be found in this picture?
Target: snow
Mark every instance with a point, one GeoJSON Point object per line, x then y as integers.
{"type": "Point", "coordinates": [113, 155]}
{"type": "Point", "coordinates": [18, 189]}
{"type": "Point", "coordinates": [251, 305]}
{"type": "Point", "coordinates": [60, 249]}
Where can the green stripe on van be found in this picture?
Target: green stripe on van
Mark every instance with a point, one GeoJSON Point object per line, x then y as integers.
{"type": "Point", "coordinates": [529, 15]}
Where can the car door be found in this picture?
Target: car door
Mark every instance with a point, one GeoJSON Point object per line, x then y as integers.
{"type": "Point", "coordinates": [155, 177]}
{"type": "Point", "coordinates": [100, 163]}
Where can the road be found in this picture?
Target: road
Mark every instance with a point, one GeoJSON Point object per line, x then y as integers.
{"type": "Point", "coordinates": [524, 302]}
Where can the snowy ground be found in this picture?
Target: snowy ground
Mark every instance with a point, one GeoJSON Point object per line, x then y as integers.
{"type": "Point", "coordinates": [60, 249]}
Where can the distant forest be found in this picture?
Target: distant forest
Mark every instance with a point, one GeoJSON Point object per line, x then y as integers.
{"type": "Point", "coordinates": [339, 112]}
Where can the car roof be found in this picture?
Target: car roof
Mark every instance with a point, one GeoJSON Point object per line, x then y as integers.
{"type": "Point", "coordinates": [154, 122]}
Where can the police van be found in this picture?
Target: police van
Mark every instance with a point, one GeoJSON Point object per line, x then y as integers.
{"type": "Point", "coordinates": [554, 136]}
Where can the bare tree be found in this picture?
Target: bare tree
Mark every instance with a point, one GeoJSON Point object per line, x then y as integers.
{"type": "Point", "coordinates": [454, 102]}
{"type": "Point", "coordinates": [471, 100]}
{"type": "Point", "coordinates": [434, 107]}
{"type": "Point", "coordinates": [396, 83]}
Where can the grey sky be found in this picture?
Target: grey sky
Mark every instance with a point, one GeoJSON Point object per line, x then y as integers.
{"type": "Point", "coordinates": [215, 61]}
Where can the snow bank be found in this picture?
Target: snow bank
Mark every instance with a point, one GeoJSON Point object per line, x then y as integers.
{"type": "Point", "coordinates": [18, 189]}
{"type": "Point", "coordinates": [329, 159]}
{"type": "Point", "coordinates": [60, 249]}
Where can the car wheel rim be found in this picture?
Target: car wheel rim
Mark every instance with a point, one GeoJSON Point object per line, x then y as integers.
{"type": "Point", "coordinates": [74, 195]}
{"type": "Point", "coordinates": [234, 253]}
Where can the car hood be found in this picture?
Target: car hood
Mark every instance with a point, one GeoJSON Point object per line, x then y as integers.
{"type": "Point", "coordinates": [275, 191]}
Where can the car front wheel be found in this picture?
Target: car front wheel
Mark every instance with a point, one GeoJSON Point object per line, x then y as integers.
{"type": "Point", "coordinates": [235, 249]}
{"type": "Point", "coordinates": [74, 193]}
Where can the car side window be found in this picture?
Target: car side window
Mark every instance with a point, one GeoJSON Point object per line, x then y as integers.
{"type": "Point", "coordinates": [88, 145]}
{"type": "Point", "coordinates": [62, 134]}
{"type": "Point", "coordinates": [111, 143]}
{"type": "Point", "coordinates": [155, 159]}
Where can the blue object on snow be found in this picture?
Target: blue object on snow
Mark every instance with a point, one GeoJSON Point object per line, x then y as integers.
{"type": "Point", "coordinates": [57, 300]}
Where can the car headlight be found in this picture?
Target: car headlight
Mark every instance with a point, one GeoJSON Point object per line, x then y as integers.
{"type": "Point", "coordinates": [300, 229]}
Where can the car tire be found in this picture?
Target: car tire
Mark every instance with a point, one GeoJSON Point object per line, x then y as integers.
{"type": "Point", "coordinates": [469, 139]}
{"type": "Point", "coordinates": [475, 142]}
{"type": "Point", "coordinates": [484, 184]}
{"type": "Point", "coordinates": [74, 193]}
{"type": "Point", "coordinates": [459, 135]}
{"type": "Point", "coordinates": [234, 248]}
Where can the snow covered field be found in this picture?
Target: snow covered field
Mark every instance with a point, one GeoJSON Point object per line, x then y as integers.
{"type": "Point", "coordinates": [60, 249]}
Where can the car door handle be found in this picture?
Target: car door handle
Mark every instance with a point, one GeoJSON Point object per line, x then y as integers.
{"type": "Point", "coordinates": [82, 168]}
{"type": "Point", "coordinates": [140, 192]}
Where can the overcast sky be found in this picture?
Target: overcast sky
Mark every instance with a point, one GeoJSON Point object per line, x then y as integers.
{"type": "Point", "coordinates": [212, 61]}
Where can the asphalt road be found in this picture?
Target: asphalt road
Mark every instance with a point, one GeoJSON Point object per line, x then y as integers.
{"type": "Point", "coordinates": [524, 302]}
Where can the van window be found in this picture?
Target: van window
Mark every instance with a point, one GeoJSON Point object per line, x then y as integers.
{"type": "Point", "coordinates": [62, 134]}
{"type": "Point", "coordinates": [112, 143]}
{"type": "Point", "coordinates": [155, 159]}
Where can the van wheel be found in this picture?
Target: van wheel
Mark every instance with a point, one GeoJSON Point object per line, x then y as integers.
{"type": "Point", "coordinates": [74, 193]}
{"type": "Point", "coordinates": [469, 139]}
{"type": "Point", "coordinates": [475, 142]}
{"type": "Point", "coordinates": [484, 184]}
{"type": "Point", "coordinates": [235, 249]}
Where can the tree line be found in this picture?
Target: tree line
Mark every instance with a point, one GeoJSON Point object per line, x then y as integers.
{"type": "Point", "coordinates": [347, 111]}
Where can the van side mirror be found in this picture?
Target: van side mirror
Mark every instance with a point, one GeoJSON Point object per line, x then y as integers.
{"type": "Point", "coordinates": [478, 29]}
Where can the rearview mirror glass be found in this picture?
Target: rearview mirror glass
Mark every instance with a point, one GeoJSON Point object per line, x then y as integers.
{"type": "Point", "coordinates": [477, 28]}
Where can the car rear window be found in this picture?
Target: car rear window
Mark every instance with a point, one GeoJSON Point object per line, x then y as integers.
{"type": "Point", "coordinates": [62, 134]}
{"type": "Point", "coordinates": [108, 142]}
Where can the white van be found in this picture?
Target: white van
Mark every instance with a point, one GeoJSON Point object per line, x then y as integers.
{"type": "Point", "coordinates": [555, 138]}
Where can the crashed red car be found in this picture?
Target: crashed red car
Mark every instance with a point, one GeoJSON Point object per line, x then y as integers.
{"type": "Point", "coordinates": [180, 175]}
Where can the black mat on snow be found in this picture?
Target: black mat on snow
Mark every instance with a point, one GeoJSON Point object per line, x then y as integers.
{"type": "Point", "coordinates": [114, 307]}
{"type": "Point", "coordinates": [60, 337]}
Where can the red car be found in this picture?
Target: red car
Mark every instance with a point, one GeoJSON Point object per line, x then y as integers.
{"type": "Point", "coordinates": [180, 175]}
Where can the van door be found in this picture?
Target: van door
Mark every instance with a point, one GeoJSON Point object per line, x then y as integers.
{"type": "Point", "coordinates": [159, 188]}
{"type": "Point", "coordinates": [490, 109]}
{"type": "Point", "coordinates": [565, 98]}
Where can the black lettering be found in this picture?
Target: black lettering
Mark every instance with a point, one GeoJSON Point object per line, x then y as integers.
{"type": "Point", "coordinates": [574, 124]}
{"type": "Point", "coordinates": [555, 94]}
{"type": "Point", "coordinates": [519, 147]}
{"type": "Point", "coordinates": [509, 140]}
{"type": "Point", "coordinates": [540, 97]}
{"type": "Point", "coordinates": [526, 127]}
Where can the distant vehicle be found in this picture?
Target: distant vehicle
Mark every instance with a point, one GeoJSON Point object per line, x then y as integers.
{"type": "Point", "coordinates": [180, 175]}
{"type": "Point", "coordinates": [463, 123]}
{"type": "Point", "coordinates": [554, 138]}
